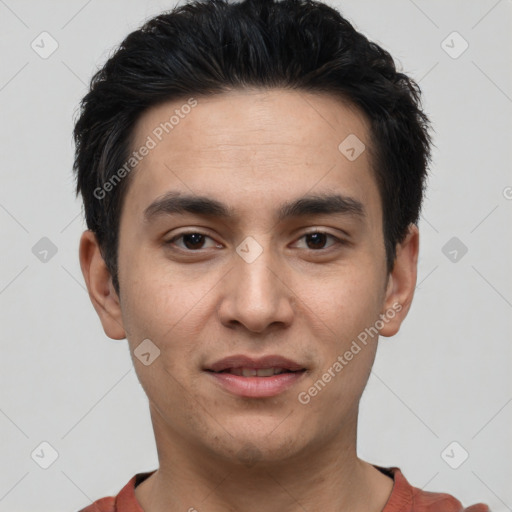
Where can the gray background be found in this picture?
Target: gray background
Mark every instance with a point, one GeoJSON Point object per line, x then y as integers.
{"type": "Point", "coordinates": [445, 377]}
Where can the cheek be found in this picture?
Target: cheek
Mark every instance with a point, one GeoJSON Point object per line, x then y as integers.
{"type": "Point", "coordinates": [349, 298]}
{"type": "Point", "coordinates": [158, 298]}
{"type": "Point", "coordinates": [170, 307]}
{"type": "Point", "coordinates": [349, 307]}
{"type": "Point", "coordinates": [161, 307]}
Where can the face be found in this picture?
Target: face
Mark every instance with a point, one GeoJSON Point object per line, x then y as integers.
{"type": "Point", "coordinates": [251, 255]}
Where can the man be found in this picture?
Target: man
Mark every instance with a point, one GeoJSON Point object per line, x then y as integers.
{"type": "Point", "coordinates": [252, 175]}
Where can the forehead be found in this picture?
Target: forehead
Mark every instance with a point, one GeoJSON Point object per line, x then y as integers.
{"type": "Point", "coordinates": [251, 143]}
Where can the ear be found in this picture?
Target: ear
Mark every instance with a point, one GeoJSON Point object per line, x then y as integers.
{"type": "Point", "coordinates": [99, 284]}
{"type": "Point", "coordinates": [401, 283]}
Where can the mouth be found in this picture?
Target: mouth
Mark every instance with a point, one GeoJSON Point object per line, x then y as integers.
{"type": "Point", "coordinates": [256, 378]}
{"type": "Point", "coordinates": [258, 372]}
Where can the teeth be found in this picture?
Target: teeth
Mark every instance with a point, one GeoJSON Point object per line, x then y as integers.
{"type": "Point", "coordinates": [267, 372]}
{"type": "Point", "coordinates": [253, 372]}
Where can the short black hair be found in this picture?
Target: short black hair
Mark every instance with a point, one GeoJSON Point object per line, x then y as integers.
{"type": "Point", "coordinates": [214, 46]}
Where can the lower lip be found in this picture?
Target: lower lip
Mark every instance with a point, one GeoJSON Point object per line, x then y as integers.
{"type": "Point", "coordinates": [257, 387]}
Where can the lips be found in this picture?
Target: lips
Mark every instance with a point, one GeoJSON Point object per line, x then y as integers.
{"type": "Point", "coordinates": [255, 378]}
{"type": "Point", "coordinates": [239, 363]}
{"type": "Point", "coordinates": [255, 372]}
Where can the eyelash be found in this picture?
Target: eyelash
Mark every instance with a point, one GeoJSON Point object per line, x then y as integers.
{"type": "Point", "coordinates": [337, 241]}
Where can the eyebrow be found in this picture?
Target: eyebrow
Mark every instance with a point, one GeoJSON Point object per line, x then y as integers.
{"type": "Point", "coordinates": [323, 204]}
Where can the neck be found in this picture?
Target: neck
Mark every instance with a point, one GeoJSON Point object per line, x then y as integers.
{"type": "Point", "coordinates": [329, 478]}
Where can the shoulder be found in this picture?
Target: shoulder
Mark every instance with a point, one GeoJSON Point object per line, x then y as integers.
{"type": "Point", "coordinates": [406, 498]}
{"type": "Point", "coordinates": [101, 505]}
{"type": "Point", "coordinates": [125, 501]}
{"type": "Point", "coordinates": [424, 501]}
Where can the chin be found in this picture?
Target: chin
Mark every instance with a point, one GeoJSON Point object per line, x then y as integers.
{"type": "Point", "coordinates": [248, 445]}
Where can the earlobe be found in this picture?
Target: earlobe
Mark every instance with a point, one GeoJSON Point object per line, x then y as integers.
{"type": "Point", "coordinates": [100, 288]}
{"type": "Point", "coordinates": [401, 283]}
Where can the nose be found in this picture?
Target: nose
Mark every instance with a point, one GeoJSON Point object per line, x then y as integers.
{"type": "Point", "coordinates": [256, 295]}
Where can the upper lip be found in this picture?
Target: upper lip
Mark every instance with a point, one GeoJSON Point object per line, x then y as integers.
{"type": "Point", "coordinates": [242, 361]}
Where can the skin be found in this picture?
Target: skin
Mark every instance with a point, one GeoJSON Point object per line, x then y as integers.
{"type": "Point", "coordinates": [301, 298]}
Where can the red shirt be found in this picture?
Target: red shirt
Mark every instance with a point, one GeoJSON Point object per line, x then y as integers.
{"type": "Point", "coordinates": [403, 498]}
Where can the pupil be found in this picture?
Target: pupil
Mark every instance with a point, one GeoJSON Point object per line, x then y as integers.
{"type": "Point", "coordinates": [317, 239]}
{"type": "Point", "coordinates": [193, 239]}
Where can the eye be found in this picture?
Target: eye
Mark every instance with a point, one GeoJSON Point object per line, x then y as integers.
{"type": "Point", "coordinates": [193, 241]}
{"type": "Point", "coordinates": [317, 240]}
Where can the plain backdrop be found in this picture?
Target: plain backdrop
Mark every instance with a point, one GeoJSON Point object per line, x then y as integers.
{"type": "Point", "coordinates": [440, 390]}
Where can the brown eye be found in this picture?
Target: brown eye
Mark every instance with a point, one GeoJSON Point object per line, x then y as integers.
{"type": "Point", "coordinates": [316, 240]}
{"type": "Point", "coordinates": [192, 241]}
